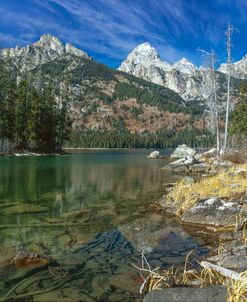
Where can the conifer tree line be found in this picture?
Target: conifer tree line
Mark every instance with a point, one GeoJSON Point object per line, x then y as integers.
{"type": "Point", "coordinates": [238, 126]}
{"type": "Point", "coordinates": [124, 139]}
{"type": "Point", "coordinates": [31, 119]}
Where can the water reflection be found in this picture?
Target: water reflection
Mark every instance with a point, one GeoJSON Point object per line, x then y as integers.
{"type": "Point", "coordinates": [88, 209]}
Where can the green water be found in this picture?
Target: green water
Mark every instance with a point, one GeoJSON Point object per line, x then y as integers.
{"type": "Point", "coordinates": [88, 214]}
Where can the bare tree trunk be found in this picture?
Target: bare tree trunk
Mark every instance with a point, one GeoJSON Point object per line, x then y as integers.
{"type": "Point", "coordinates": [210, 60]}
{"type": "Point", "coordinates": [229, 49]}
{"type": "Point", "coordinates": [216, 108]}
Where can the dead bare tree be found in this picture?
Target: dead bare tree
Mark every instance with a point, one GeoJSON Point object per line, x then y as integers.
{"type": "Point", "coordinates": [229, 32]}
{"type": "Point", "coordinates": [209, 59]}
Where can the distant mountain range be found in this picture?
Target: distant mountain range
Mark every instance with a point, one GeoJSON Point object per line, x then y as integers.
{"type": "Point", "coordinates": [183, 77]}
{"type": "Point", "coordinates": [145, 95]}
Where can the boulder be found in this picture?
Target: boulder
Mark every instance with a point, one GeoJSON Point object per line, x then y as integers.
{"type": "Point", "coordinates": [213, 212]}
{"type": "Point", "coordinates": [183, 151]}
{"type": "Point", "coordinates": [182, 164]}
{"type": "Point", "coordinates": [208, 154]}
{"type": "Point", "coordinates": [188, 294]}
{"type": "Point", "coordinates": [154, 154]}
{"type": "Point", "coordinates": [233, 256]}
{"type": "Point", "coordinates": [230, 236]}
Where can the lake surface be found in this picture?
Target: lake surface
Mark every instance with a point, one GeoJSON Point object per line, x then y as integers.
{"type": "Point", "coordinates": [88, 213]}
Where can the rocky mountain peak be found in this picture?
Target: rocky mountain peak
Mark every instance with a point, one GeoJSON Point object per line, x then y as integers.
{"type": "Point", "coordinates": [47, 49]}
{"type": "Point", "coordinates": [143, 58]}
{"type": "Point", "coordinates": [144, 52]}
{"type": "Point", "coordinates": [48, 39]}
{"type": "Point", "coordinates": [50, 42]}
{"type": "Point", "coordinates": [185, 66]}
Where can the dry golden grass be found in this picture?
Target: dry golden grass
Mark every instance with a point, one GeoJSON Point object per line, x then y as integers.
{"type": "Point", "coordinates": [226, 185]}
{"type": "Point", "coordinates": [237, 290]}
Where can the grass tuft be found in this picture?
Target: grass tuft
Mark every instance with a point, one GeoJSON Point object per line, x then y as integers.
{"type": "Point", "coordinates": [226, 185]}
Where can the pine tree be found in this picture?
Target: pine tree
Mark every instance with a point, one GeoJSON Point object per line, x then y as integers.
{"type": "Point", "coordinates": [63, 120]}
{"type": "Point", "coordinates": [7, 109]}
{"type": "Point", "coordinates": [48, 120]}
{"type": "Point", "coordinates": [238, 127]}
{"type": "Point", "coordinates": [22, 114]}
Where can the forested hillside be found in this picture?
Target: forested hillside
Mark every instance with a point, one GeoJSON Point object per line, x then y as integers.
{"type": "Point", "coordinates": [102, 107]}
{"type": "Point", "coordinates": [120, 107]}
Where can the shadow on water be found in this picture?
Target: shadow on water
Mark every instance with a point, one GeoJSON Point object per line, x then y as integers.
{"type": "Point", "coordinates": [101, 270]}
{"type": "Point", "coordinates": [87, 213]}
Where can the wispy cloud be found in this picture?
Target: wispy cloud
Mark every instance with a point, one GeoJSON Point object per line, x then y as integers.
{"type": "Point", "coordinates": [109, 29]}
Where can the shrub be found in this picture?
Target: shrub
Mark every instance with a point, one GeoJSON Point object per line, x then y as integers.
{"type": "Point", "coordinates": [236, 157]}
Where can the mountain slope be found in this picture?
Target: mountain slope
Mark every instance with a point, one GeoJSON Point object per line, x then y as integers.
{"type": "Point", "coordinates": [107, 100]}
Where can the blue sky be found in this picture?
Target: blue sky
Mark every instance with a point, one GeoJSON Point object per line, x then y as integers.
{"type": "Point", "coordinates": [109, 29]}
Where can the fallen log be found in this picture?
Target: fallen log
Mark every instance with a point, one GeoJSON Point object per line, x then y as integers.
{"type": "Point", "coordinates": [223, 271]}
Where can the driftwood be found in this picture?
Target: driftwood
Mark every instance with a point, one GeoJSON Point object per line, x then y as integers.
{"type": "Point", "coordinates": [223, 271]}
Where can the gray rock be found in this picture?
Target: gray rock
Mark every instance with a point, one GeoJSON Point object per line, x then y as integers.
{"type": "Point", "coordinates": [210, 153]}
{"type": "Point", "coordinates": [183, 151]}
{"type": "Point", "coordinates": [154, 155]}
{"type": "Point", "coordinates": [213, 212]}
{"type": "Point", "coordinates": [200, 168]}
{"type": "Point", "coordinates": [169, 208]}
{"type": "Point", "coordinates": [232, 236]}
{"type": "Point", "coordinates": [182, 164]}
{"type": "Point", "coordinates": [187, 294]}
{"type": "Point", "coordinates": [233, 256]}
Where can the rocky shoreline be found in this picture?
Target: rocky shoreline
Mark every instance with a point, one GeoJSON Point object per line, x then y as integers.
{"type": "Point", "coordinates": [213, 197]}
{"type": "Point", "coordinates": [29, 153]}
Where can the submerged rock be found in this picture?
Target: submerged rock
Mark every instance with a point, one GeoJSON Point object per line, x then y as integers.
{"type": "Point", "coordinates": [168, 207]}
{"type": "Point", "coordinates": [183, 151]}
{"type": "Point", "coordinates": [25, 259]}
{"type": "Point", "coordinates": [214, 212]}
{"type": "Point", "coordinates": [154, 154]}
{"type": "Point", "coordinates": [187, 294]}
